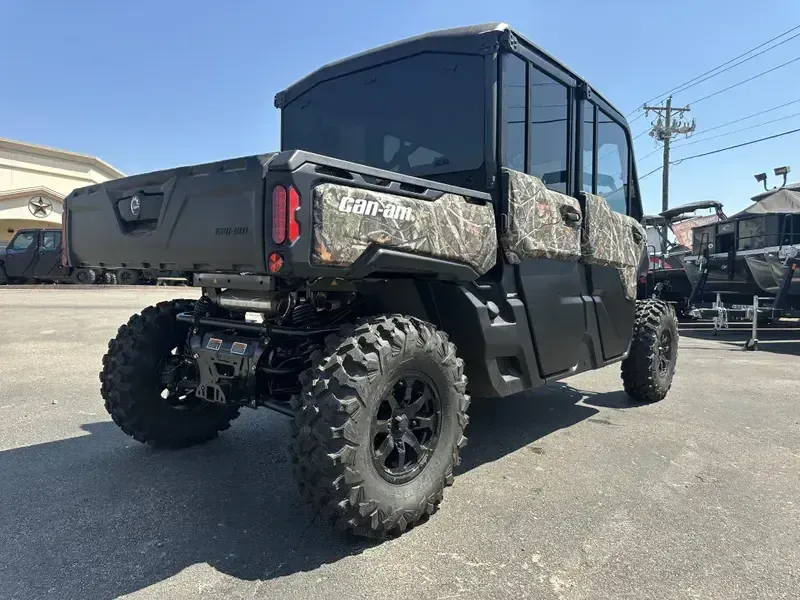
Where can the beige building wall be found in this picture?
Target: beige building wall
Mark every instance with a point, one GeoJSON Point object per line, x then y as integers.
{"type": "Point", "coordinates": [35, 179]}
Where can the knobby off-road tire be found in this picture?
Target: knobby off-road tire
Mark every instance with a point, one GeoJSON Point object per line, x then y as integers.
{"type": "Point", "coordinates": [334, 446]}
{"type": "Point", "coordinates": [648, 370]}
{"type": "Point", "coordinates": [132, 389]}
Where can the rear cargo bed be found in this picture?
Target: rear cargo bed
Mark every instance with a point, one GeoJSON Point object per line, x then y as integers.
{"type": "Point", "coordinates": [315, 216]}
{"type": "Point", "coordinates": [141, 216]}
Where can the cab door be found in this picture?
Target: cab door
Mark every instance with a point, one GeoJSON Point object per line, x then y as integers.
{"type": "Point", "coordinates": [613, 236]}
{"type": "Point", "coordinates": [543, 216]}
{"type": "Point", "coordinates": [22, 253]}
{"type": "Point", "coordinates": [48, 260]}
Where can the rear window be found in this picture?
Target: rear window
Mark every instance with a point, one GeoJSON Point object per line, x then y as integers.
{"type": "Point", "coordinates": [422, 115]}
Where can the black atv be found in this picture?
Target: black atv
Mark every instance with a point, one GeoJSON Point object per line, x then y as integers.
{"type": "Point", "coordinates": [431, 230]}
{"type": "Point", "coordinates": [34, 255]}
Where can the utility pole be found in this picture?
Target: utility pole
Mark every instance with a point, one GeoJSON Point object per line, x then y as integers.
{"type": "Point", "coordinates": [664, 128]}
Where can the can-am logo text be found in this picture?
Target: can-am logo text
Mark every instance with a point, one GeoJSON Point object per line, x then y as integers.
{"type": "Point", "coordinates": [373, 208]}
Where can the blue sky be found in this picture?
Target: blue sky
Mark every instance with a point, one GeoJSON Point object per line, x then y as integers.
{"type": "Point", "coordinates": [150, 84]}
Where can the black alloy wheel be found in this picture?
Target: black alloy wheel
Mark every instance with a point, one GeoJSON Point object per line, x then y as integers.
{"type": "Point", "coordinates": [405, 428]}
{"type": "Point", "coordinates": [664, 352]}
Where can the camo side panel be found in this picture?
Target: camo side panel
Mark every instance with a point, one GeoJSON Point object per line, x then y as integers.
{"type": "Point", "coordinates": [536, 226]}
{"type": "Point", "coordinates": [612, 239]}
{"type": "Point", "coordinates": [348, 220]}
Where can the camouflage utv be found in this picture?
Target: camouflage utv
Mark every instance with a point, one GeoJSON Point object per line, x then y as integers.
{"type": "Point", "coordinates": [452, 215]}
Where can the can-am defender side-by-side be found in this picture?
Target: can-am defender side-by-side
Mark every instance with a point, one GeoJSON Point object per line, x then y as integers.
{"type": "Point", "coordinates": [453, 214]}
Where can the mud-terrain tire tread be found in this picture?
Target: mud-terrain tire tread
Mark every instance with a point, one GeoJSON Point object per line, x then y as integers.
{"type": "Point", "coordinates": [639, 371]}
{"type": "Point", "coordinates": [322, 450]}
{"type": "Point", "coordinates": [128, 368]}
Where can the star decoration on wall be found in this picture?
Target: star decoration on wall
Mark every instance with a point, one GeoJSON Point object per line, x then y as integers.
{"type": "Point", "coordinates": [40, 207]}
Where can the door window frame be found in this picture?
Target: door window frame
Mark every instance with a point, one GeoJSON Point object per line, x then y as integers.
{"type": "Point", "coordinates": [535, 61]}
{"type": "Point", "coordinates": [34, 241]}
{"type": "Point", "coordinates": [633, 207]}
{"type": "Point", "coordinates": [578, 91]}
{"type": "Point", "coordinates": [56, 238]}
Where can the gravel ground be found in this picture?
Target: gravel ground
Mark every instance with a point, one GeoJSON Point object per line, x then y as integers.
{"type": "Point", "coordinates": [566, 492]}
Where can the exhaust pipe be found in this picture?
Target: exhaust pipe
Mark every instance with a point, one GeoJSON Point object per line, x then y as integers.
{"type": "Point", "coordinates": [262, 302]}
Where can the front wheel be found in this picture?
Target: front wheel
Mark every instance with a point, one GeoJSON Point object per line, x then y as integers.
{"type": "Point", "coordinates": [140, 382]}
{"type": "Point", "coordinates": [3, 275]}
{"type": "Point", "coordinates": [648, 370]}
{"type": "Point", "coordinates": [379, 424]}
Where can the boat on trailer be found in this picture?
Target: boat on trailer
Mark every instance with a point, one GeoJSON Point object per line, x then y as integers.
{"type": "Point", "coordinates": [667, 278]}
{"type": "Point", "coordinates": [752, 253]}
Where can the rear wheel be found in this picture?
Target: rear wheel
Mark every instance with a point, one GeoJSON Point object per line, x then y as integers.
{"type": "Point", "coordinates": [84, 276]}
{"type": "Point", "coordinates": [648, 370]}
{"type": "Point", "coordinates": [140, 382]}
{"type": "Point", "coordinates": [379, 424]}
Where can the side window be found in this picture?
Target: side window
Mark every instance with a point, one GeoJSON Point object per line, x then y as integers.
{"type": "Point", "coordinates": [22, 241]}
{"type": "Point", "coordinates": [587, 184]}
{"type": "Point", "coordinates": [612, 162]}
{"type": "Point", "coordinates": [514, 111]}
{"type": "Point", "coordinates": [51, 240]}
{"type": "Point", "coordinates": [549, 130]}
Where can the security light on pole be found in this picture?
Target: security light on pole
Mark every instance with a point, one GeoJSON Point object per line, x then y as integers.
{"type": "Point", "coordinates": [783, 171]}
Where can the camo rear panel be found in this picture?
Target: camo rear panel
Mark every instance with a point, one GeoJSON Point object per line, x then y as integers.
{"type": "Point", "coordinates": [348, 220]}
{"type": "Point", "coordinates": [612, 239]}
{"type": "Point", "coordinates": [536, 227]}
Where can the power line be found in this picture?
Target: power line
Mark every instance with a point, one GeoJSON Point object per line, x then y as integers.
{"type": "Point", "coordinates": [771, 137]}
{"type": "Point", "coordinates": [683, 89]}
{"type": "Point", "coordinates": [739, 120]}
{"type": "Point", "coordinates": [730, 87]}
{"type": "Point", "coordinates": [714, 69]}
{"type": "Point", "coordinates": [717, 151]}
{"type": "Point", "coordinates": [649, 154]}
{"type": "Point", "coordinates": [651, 172]}
{"type": "Point", "coordinates": [713, 137]}
{"type": "Point", "coordinates": [704, 131]}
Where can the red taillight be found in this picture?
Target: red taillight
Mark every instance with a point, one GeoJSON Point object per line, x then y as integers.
{"type": "Point", "coordinates": [294, 204]}
{"type": "Point", "coordinates": [279, 214]}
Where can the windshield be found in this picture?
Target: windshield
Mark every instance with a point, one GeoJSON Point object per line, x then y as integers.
{"type": "Point", "coordinates": [422, 115]}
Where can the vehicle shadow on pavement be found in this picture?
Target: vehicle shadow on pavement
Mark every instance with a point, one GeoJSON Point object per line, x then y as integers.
{"type": "Point", "coordinates": [99, 516]}
{"type": "Point", "coordinates": [500, 426]}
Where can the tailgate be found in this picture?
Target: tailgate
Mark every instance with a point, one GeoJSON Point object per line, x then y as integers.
{"type": "Point", "coordinates": [202, 217]}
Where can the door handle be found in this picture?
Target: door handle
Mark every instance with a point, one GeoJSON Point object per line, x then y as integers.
{"type": "Point", "coordinates": [570, 215]}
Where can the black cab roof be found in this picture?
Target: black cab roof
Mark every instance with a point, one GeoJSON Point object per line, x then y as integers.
{"type": "Point", "coordinates": [473, 39]}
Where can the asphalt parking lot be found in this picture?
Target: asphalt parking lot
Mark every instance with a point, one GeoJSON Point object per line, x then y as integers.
{"type": "Point", "coordinates": [568, 492]}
